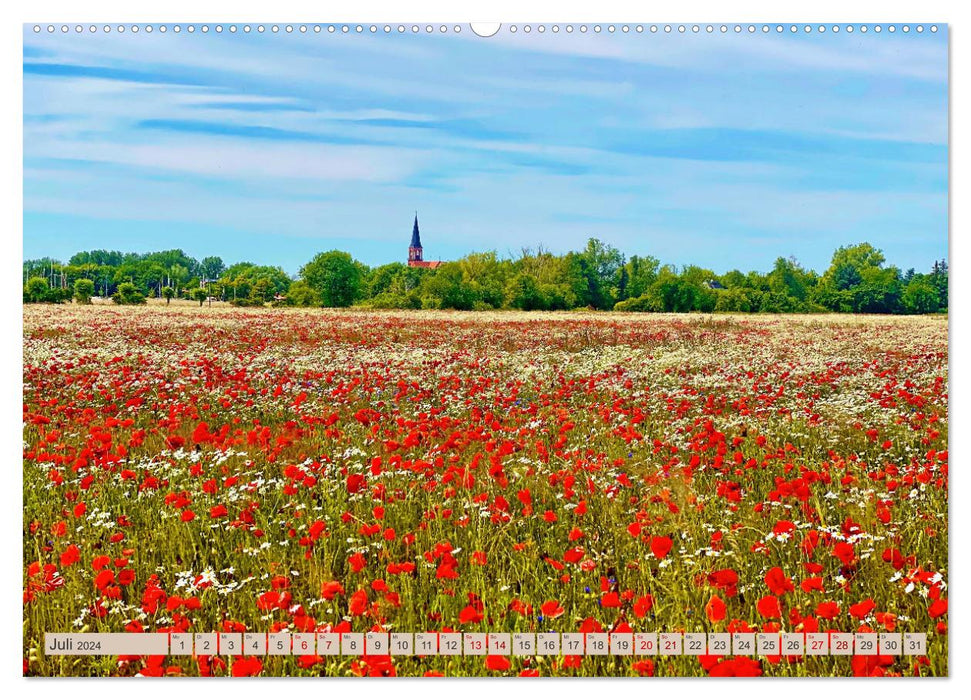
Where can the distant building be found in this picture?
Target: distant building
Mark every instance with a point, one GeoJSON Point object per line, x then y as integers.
{"type": "Point", "coordinates": [414, 250]}
{"type": "Point", "coordinates": [715, 284]}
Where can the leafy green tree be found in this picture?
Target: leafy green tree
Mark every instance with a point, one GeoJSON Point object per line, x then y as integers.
{"type": "Point", "coordinates": [738, 300]}
{"type": "Point", "coordinates": [200, 294]}
{"type": "Point", "coordinates": [168, 293]}
{"type": "Point", "coordinates": [485, 276]}
{"type": "Point", "coordinates": [524, 293]}
{"type": "Point", "coordinates": [335, 276]}
{"type": "Point", "coordinates": [642, 271]}
{"type": "Point", "coordinates": [99, 258]}
{"type": "Point", "coordinates": [602, 272]}
{"type": "Point", "coordinates": [581, 281]}
{"type": "Point", "coordinates": [83, 291]}
{"type": "Point", "coordinates": [879, 291]}
{"type": "Point", "coordinates": [262, 290]}
{"type": "Point", "coordinates": [623, 283]}
{"type": "Point", "coordinates": [788, 279]}
{"type": "Point", "coordinates": [920, 296]}
{"type": "Point", "coordinates": [37, 290]}
{"type": "Point", "coordinates": [212, 267]}
{"type": "Point", "coordinates": [177, 274]}
{"type": "Point", "coordinates": [379, 279]}
{"type": "Point", "coordinates": [733, 279]}
{"type": "Point", "coordinates": [246, 284]}
{"type": "Point", "coordinates": [671, 293]}
{"type": "Point", "coordinates": [938, 278]}
{"type": "Point", "coordinates": [778, 303]}
{"type": "Point", "coordinates": [302, 294]}
{"type": "Point", "coordinates": [447, 289]}
{"type": "Point", "coordinates": [700, 279]}
{"type": "Point", "coordinates": [846, 276]}
{"type": "Point", "coordinates": [556, 275]}
{"type": "Point", "coordinates": [857, 282]}
{"type": "Point", "coordinates": [128, 294]}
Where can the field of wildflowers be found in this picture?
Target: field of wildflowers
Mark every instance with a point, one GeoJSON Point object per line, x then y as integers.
{"type": "Point", "coordinates": [190, 469]}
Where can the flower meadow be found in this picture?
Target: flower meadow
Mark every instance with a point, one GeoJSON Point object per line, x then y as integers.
{"type": "Point", "coordinates": [215, 469]}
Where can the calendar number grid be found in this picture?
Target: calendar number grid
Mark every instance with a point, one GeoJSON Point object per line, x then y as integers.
{"type": "Point", "coordinates": [471, 644]}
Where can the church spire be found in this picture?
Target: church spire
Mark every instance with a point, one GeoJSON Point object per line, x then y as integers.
{"type": "Point", "coordinates": [414, 250]}
{"type": "Point", "coordinates": [415, 237]}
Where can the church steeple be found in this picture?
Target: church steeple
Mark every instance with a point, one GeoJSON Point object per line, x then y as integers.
{"type": "Point", "coordinates": [414, 250]}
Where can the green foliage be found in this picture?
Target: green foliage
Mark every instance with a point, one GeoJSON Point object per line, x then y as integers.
{"type": "Point", "coordinates": [938, 278]}
{"type": "Point", "coordinates": [738, 300]}
{"type": "Point", "coordinates": [83, 291]}
{"type": "Point", "coordinates": [789, 279]}
{"type": "Point", "coordinates": [920, 296]}
{"type": "Point", "coordinates": [302, 294]}
{"type": "Point", "coordinates": [597, 277]}
{"type": "Point", "coordinates": [211, 268]}
{"type": "Point", "coordinates": [200, 294]}
{"type": "Point", "coordinates": [524, 293]}
{"type": "Point", "coordinates": [128, 294]}
{"type": "Point", "coordinates": [778, 303]}
{"type": "Point", "coordinates": [641, 273]}
{"type": "Point", "coordinates": [37, 290]}
{"type": "Point", "coordinates": [247, 284]}
{"type": "Point", "coordinates": [672, 293]}
{"type": "Point", "coordinates": [447, 289]}
{"type": "Point", "coordinates": [335, 276]}
{"type": "Point", "coordinates": [641, 303]}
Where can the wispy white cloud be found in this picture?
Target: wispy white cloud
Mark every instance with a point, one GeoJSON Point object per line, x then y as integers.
{"type": "Point", "coordinates": [655, 143]}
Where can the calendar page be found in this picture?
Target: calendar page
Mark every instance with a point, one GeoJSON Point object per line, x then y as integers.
{"type": "Point", "coordinates": [666, 396]}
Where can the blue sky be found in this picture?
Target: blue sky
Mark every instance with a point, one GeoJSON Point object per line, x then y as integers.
{"type": "Point", "coordinates": [720, 150]}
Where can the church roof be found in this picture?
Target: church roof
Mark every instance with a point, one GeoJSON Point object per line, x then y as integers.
{"type": "Point", "coordinates": [415, 238]}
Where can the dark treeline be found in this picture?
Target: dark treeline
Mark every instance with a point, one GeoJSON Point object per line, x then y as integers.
{"type": "Point", "coordinates": [858, 280]}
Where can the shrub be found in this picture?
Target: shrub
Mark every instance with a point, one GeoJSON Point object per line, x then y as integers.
{"type": "Point", "coordinates": [37, 290]}
{"type": "Point", "coordinates": [641, 303]}
{"type": "Point", "coordinates": [83, 291]}
{"type": "Point", "coordinates": [128, 294]}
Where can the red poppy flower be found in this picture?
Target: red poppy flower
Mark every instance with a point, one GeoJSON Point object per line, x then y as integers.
{"type": "Point", "coordinates": [827, 610]}
{"type": "Point", "coordinates": [71, 555]}
{"type": "Point", "coordinates": [357, 604]}
{"type": "Point", "coordinates": [643, 605]}
{"type": "Point", "coordinates": [551, 609]}
{"type": "Point", "coordinates": [497, 663]}
{"type": "Point", "coordinates": [330, 589]}
{"type": "Point", "coordinates": [814, 583]}
{"type": "Point", "coordinates": [726, 580]}
{"type": "Point", "coordinates": [660, 546]}
{"type": "Point", "coordinates": [715, 609]}
{"type": "Point", "coordinates": [247, 666]}
{"type": "Point", "coordinates": [778, 582]}
{"type": "Point", "coordinates": [844, 552]}
{"type": "Point", "coordinates": [469, 614]}
{"type": "Point", "coordinates": [862, 609]}
{"type": "Point", "coordinates": [610, 600]}
{"type": "Point", "coordinates": [740, 666]}
{"type": "Point", "coordinates": [769, 607]}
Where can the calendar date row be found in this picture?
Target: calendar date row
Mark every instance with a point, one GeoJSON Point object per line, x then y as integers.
{"type": "Point", "coordinates": [487, 644]}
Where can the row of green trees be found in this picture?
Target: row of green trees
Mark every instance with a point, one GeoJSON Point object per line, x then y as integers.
{"type": "Point", "coordinates": [858, 280]}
